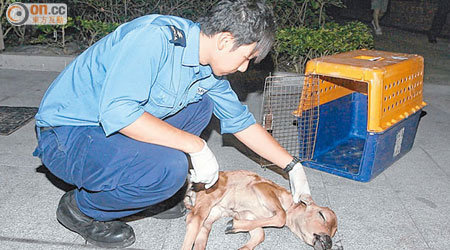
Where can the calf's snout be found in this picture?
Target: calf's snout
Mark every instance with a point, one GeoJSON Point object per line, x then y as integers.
{"type": "Point", "coordinates": [322, 242]}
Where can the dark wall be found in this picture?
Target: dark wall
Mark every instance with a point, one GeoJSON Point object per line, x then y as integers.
{"type": "Point", "coordinates": [415, 15]}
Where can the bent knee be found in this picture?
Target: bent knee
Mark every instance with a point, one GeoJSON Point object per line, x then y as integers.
{"type": "Point", "coordinates": [169, 173]}
{"type": "Point", "coordinates": [177, 168]}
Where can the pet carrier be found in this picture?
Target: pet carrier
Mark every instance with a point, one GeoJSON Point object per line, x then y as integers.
{"type": "Point", "coordinates": [367, 112]}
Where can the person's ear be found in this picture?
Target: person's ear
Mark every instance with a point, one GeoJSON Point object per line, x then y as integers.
{"type": "Point", "coordinates": [225, 40]}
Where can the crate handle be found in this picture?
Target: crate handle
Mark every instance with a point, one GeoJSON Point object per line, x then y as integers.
{"type": "Point", "coordinates": [370, 58]}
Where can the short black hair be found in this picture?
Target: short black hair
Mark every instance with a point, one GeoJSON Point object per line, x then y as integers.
{"type": "Point", "coordinates": [249, 21]}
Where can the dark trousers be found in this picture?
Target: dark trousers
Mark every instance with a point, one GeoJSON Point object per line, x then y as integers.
{"type": "Point", "coordinates": [117, 176]}
{"type": "Point", "coordinates": [440, 17]}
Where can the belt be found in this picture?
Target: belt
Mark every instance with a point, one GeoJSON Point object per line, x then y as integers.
{"type": "Point", "coordinates": [43, 129]}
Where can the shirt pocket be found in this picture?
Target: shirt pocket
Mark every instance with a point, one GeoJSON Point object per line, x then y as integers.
{"type": "Point", "coordinates": [162, 101]}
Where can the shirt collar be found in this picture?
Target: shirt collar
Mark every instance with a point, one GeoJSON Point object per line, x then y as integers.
{"type": "Point", "coordinates": [191, 52]}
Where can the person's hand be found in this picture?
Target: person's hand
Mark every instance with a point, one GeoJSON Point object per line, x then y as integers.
{"type": "Point", "coordinates": [205, 167]}
{"type": "Point", "coordinates": [299, 184]}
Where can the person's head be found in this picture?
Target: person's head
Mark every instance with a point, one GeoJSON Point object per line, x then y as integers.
{"type": "Point", "coordinates": [243, 29]}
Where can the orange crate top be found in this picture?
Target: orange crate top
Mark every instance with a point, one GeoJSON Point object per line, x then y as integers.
{"type": "Point", "coordinates": [392, 81]}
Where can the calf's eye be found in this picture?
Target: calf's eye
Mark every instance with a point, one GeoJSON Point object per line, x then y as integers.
{"type": "Point", "coordinates": [322, 215]}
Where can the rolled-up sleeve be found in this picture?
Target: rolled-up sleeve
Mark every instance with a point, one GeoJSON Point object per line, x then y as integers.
{"type": "Point", "coordinates": [135, 60]}
{"type": "Point", "coordinates": [233, 115]}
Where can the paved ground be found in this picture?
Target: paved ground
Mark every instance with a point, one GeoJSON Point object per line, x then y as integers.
{"type": "Point", "coordinates": [406, 207]}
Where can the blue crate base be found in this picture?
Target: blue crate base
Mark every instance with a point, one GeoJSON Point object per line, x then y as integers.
{"type": "Point", "coordinates": [344, 157]}
{"type": "Point", "coordinates": [344, 147]}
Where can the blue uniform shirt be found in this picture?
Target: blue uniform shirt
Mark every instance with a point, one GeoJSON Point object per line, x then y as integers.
{"type": "Point", "coordinates": [150, 64]}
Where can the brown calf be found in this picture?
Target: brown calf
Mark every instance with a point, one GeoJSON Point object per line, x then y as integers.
{"type": "Point", "coordinates": [254, 203]}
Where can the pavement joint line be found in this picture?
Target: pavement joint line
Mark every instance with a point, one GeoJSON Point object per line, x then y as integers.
{"type": "Point", "coordinates": [339, 246]}
{"type": "Point", "coordinates": [46, 63]}
{"type": "Point", "coordinates": [44, 242]}
{"type": "Point", "coordinates": [167, 229]}
{"type": "Point", "coordinates": [5, 98]}
{"type": "Point", "coordinates": [436, 163]}
{"type": "Point", "coordinates": [19, 166]}
{"type": "Point", "coordinates": [407, 211]}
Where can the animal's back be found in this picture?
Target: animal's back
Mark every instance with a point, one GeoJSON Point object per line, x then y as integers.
{"type": "Point", "coordinates": [241, 197]}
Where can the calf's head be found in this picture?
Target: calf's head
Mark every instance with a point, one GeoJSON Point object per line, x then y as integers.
{"type": "Point", "coordinates": [314, 224]}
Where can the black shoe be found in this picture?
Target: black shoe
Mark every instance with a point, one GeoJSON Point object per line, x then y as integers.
{"type": "Point", "coordinates": [160, 211]}
{"type": "Point", "coordinates": [179, 210]}
{"type": "Point", "coordinates": [110, 234]}
{"type": "Point", "coordinates": [171, 208]}
{"type": "Point", "coordinates": [432, 38]}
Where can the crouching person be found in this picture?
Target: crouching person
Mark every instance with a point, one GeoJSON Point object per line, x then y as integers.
{"type": "Point", "coordinates": [120, 120]}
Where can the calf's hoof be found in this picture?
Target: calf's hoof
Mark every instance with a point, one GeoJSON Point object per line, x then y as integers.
{"type": "Point", "coordinates": [229, 229]}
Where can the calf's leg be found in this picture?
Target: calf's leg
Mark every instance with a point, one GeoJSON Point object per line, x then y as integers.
{"type": "Point", "coordinates": [256, 237]}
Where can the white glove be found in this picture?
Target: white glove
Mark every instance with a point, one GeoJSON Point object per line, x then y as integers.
{"type": "Point", "coordinates": [299, 184]}
{"type": "Point", "coordinates": [205, 167]}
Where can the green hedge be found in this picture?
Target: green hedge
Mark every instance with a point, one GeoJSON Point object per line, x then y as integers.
{"type": "Point", "coordinates": [92, 19]}
{"type": "Point", "coordinates": [305, 29]}
{"type": "Point", "coordinates": [294, 46]}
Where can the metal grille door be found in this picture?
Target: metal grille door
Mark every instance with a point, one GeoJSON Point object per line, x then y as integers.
{"type": "Point", "coordinates": [290, 113]}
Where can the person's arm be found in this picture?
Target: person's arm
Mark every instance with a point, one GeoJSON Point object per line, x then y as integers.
{"type": "Point", "coordinates": [261, 142]}
{"type": "Point", "coordinates": [150, 129]}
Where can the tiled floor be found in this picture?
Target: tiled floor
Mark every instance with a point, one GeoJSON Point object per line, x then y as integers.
{"type": "Point", "coordinates": [406, 207]}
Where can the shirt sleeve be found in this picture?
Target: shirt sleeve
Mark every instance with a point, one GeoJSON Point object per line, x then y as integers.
{"type": "Point", "coordinates": [136, 59]}
{"type": "Point", "coordinates": [233, 116]}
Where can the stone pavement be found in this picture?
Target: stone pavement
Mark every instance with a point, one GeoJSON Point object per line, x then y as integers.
{"type": "Point", "coordinates": [406, 207]}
